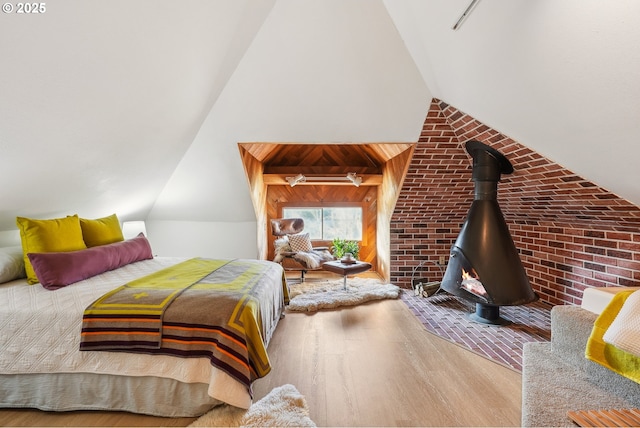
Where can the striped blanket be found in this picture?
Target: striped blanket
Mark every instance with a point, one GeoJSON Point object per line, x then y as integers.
{"type": "Point", "coordinates": [197, 308]}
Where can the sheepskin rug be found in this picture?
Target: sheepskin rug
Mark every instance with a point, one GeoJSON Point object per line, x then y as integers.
{"type": "Point", "coordinates": [284, 406]}
{"type": "Point", "coordinates": [312, 296]}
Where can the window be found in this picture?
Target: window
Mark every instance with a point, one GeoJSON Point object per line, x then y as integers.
{"type": "Point", "coordinates": [327, 223]}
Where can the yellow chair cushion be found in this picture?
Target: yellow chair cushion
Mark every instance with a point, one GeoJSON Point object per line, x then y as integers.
{"type": "Point", "coordinates": [101, 231]}
{"type": "Point", "coordinates": [46, 236]}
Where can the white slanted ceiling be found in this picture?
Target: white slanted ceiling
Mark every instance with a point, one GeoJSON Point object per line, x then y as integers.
{"type": "Point", "coordinates": [100, 100]}
{"type": "Point", "coordinates": [559, 76]}
{"type": "Point", "coordinates": [318, 71]}
{"type": "Point", "coordinates": [137, 107]}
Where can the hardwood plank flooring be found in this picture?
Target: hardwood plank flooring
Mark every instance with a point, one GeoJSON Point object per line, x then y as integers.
{"type": "Point", "coordinates": [376, 365]}
{"type": "Point", "coordinates": [370, 365]}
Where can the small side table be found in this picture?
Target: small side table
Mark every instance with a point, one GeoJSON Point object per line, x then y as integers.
{"type": "Point", "coordinates": [345, 269]}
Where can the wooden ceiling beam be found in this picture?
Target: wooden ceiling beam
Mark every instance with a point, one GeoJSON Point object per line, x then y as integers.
{"type": "Point", "coordinates": [323, 180]}
{"type": "Point", "coordinates": [320, 170]}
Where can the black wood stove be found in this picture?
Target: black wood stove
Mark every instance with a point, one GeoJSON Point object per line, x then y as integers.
{"type": "Point", "coordinates": [484, 266]}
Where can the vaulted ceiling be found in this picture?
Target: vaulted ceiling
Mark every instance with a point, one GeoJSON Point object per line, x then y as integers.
{"type": "Point", "coordinates": [324, 159]}
{"type": "Point", "coordinates": [137, 107]}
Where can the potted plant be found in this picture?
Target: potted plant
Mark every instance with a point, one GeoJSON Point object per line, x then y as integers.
{"type": "Point", "coordinates": [343, 246]}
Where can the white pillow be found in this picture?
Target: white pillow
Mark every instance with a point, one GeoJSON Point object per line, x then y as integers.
{"type": "Point", "coordinates": [11, 264]}
{"type": "Point", "coordinates": [300, 242]}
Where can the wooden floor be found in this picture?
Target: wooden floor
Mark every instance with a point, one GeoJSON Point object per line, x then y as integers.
{"type": "Point", "coordinates": [370, 365]}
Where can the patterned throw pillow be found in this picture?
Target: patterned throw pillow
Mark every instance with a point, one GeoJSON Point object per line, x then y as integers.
{"type": "Point", "coordinates": [300, 243]}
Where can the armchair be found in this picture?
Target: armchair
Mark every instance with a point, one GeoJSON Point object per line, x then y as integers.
{"type": "Point", "coordinates": [293, 249]}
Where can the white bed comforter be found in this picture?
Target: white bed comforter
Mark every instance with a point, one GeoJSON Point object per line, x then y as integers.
{"type": "Point", "coordinates": [40, 333]}
{"type": "Point", "coordinates": [624, 331]}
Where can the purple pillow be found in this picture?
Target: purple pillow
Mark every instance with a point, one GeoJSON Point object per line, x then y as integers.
{"type": "Point", "coordinates": [56, 270]}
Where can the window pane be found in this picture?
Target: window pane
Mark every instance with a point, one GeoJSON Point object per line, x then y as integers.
{"type": "Point", "coordinates": [343, 223]}
{"type": "Point", "coordinates": [312, 219]}
{"type": "Point", "coordinates": [329, 223]}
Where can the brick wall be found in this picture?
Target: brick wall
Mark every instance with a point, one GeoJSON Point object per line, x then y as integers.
{"type": "Point", "coordinates": [571, 234]}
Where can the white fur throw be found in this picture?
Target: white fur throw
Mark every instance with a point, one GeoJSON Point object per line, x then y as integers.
{"type": "Point", "coordinates": [283, 406]}
{"type": "Point", "coordinates": [310, 259]}
{"type": "Point", "coordinates": [313, 259]}
{"type": "Point", "coordinates": [281, 248]}
{"type": "Point", "coordinates": [313, 296]}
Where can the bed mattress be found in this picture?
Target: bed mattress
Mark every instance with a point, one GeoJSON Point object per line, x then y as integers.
{"type": "Point", "coordinates": [40, 334]}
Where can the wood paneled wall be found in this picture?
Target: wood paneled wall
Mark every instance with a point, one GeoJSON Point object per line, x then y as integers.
{"type": "Point", "coordinates": [328, 195]}
{"type": "Point", "coordinates": [254, 171]}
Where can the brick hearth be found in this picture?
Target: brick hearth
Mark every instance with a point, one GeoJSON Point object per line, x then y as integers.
{"type": "Point", "coordinates": [571, 233]}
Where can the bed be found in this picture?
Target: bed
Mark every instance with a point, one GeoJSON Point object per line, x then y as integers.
{"type": "Point", "coordinates": [41, 365]}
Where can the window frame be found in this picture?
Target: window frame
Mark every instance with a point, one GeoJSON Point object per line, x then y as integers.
{"type": "Point", "coordinates": [360, 205]}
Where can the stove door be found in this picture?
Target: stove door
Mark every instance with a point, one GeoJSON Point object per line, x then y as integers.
{"type": "Point", "coordinates": [461, 279]}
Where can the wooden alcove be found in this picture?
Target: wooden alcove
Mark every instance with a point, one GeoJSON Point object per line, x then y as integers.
{"type": "Point", "coordinates": [381, 165]}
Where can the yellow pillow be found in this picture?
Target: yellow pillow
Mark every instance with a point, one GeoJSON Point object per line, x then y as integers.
{"type": "Point", "coordinates": [47, 236]}
{"type": "Point", "coordinates": [101, 231]}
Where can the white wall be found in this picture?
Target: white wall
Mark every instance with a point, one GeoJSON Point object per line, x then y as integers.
{"type": "Point", "coordinates": [203, 239]}
{"type": "Point", "coordinates": [188, 239]}
{"type": "Point", "coordinates": [9, 238]}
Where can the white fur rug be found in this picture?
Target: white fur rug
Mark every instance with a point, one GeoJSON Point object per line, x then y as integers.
{"type": "Point", "coordinates": [284, 406]}
{"type": "Point", "coordinates": [311, 296]}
